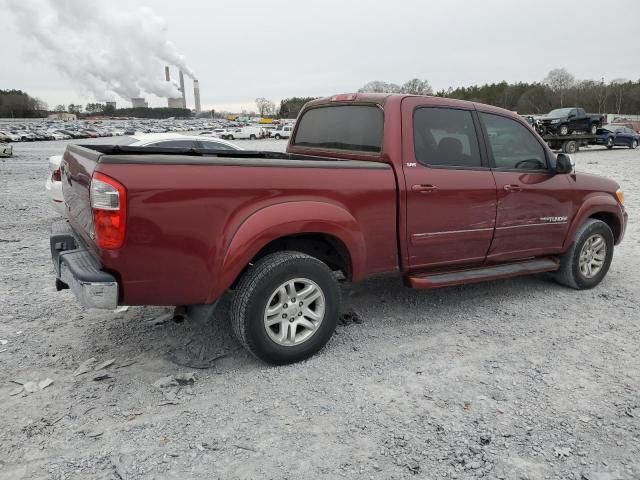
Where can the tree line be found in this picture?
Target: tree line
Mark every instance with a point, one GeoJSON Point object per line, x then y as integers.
{"type": "Point", "coordinates": [18, 104]}
{"type": "Point", "coordinates": [558, 89]}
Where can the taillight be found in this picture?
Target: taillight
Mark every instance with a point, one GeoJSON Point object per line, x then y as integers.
{"type": "Point", "coordinates": [109, 206]}
{"type": "Point", "coordinates": [56, 176]}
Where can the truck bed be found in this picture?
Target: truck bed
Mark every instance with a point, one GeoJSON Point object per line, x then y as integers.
{"type": "Point", "coordinates": [201, 156]}
{"type": "Point", "coordinates": [193, 216]}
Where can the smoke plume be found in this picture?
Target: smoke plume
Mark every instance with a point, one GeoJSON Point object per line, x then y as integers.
{"type": "Point", "coordinates": [104, 51]}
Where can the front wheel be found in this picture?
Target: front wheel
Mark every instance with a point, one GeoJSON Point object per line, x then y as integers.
{"type": "Point", "coordinates": [594, 128]}
{"type": "Point", "coordinates": [588, 260]}
{"type": "Point", "coordinates": [252, 137]}
{"type": "Point", "coordinates": [277, 137]}
{"type": "Point", "coordinates": [285, 307]}
{"type": "Point", "coordinates": [564, 130]}
{"type": "Point", "coordinates": [230, 137]}
{"type": "Point", "coordinates": [634, 144]}
{"type": "Point", "coordinates": [610, 143]}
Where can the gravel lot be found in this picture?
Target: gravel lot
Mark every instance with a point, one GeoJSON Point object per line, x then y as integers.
{"type": "Point", "coordinates": [517, 379]}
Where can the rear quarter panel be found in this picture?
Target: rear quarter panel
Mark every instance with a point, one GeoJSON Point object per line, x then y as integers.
{"type": "Point", "coordinates": [183, 219]}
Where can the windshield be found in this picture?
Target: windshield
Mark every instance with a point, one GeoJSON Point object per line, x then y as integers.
{"type": "Point", "coordinates": [559, 112]}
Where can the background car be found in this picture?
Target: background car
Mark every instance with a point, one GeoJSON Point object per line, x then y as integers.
{"type": "Point", "coordinates": [6, 150]}
{"type": "Point", "coordinates": [617, 135]}
{"type": "Point", "coordinates": [53, 185]}
{"type": "Point", "coordinates": [10, 136]}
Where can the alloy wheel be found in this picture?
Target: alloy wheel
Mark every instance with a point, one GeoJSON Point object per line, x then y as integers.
{"type": "Point", "coordinates": [294, 312]}
{"type": "Point", "coordinates": [592, 256]}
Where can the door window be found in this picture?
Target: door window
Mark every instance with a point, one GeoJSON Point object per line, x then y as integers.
{"type": "Point", "coordinates": [514, 147]}
{"type": "Point", "coordinates": [445, 137]}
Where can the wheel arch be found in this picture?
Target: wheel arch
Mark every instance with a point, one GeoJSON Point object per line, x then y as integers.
{"type": "Point", "coordinates": [323, 230]}
{"type": "Point", "coordinates": [601, 207]}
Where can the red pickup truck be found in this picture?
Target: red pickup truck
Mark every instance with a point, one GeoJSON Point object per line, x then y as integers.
{"type": "Point", "coordinates": [442, 192]}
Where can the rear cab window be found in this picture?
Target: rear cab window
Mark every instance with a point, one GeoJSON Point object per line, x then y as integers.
{"type": "Point", "coordinates": [341, 127]}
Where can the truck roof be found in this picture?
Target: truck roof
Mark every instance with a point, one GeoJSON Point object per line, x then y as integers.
{"type": "Point", "coordinates": [382, 98]}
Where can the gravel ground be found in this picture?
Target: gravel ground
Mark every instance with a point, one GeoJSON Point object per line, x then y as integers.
{"type": "Point", "coordinates": [517, 379]}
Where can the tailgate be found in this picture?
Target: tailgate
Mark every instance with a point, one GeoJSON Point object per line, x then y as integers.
{"type": "Point", "coordinates": [76, 169]}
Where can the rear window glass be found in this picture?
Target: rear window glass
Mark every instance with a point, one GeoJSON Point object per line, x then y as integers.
{"type": "Point", "coordinates": [343, 127]}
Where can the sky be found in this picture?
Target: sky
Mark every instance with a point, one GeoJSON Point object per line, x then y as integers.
{"type": "Point", "coordinates": [280, 48]}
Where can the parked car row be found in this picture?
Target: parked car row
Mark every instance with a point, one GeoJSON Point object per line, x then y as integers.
{"type": "Point", "coordinates": [59, 130]}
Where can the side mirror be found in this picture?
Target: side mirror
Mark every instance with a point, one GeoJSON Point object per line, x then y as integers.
{"type": "Point", "coordinates": [564, 163]}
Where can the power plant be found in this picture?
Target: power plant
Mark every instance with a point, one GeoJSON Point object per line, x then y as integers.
{"type": "Point", "coordinates": [139, 102]}
{"type": "Point", "coordinates": [184, 97]}
{"type": "Point", "coordinates": [174, 102]}
{"type": "Point", "coordinates": [196, 95]}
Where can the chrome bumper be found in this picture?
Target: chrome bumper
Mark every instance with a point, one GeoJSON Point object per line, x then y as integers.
{"type": "Point", "coordinates": [77, 270]}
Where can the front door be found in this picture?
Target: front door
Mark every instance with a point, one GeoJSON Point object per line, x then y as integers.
{"type": "Point", "coordinates": [451, 194]}
{"type": "Point", "coordinates": [534, 203]}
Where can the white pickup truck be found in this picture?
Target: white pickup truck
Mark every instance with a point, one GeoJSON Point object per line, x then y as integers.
{"type": "Point", "coordinates": [283, 131]}
{"type": "Point", "coordinates": [240, 133]}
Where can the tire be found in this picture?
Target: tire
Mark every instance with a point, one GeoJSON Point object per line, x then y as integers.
{"type": "Point", "coordinates": [634, 145]}
{"type": "Point", "coordinates": [610, 143]}
{"type": "Point", "coordinates": [252, 137]}
{"type": "Point", "coordinates": [260, 287]}
{"type": "Point", "coordinates": [571, 272]}
{"type": "Point", "coordinates": [277, 136]}
{"type": "Point", "coordinates": [564, 130]}
{"type": "Point", "coordinates": [593, 129]}
{"type": "Point", "coordinates": [570, 147]}
{"type": "Point", "coordinates": [230, 137]}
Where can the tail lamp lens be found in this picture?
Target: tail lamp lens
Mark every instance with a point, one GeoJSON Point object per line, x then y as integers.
{"type": "Point", "coordinates": [56, 175]}
{"type": "Point", "coordinates": [108, 203]}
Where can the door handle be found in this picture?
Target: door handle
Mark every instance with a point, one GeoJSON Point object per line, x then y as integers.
{"type": "Point", "coordinates": [424, 188]}
{"type": "Point", "coordinates": [512, 188]}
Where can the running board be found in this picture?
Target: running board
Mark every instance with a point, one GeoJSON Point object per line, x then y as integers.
{"type": "Point", "coordinates": [482, 274]}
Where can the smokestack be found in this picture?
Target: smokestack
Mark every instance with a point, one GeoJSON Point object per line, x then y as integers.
{"type": "Point", "coordinates": [167, 77]}
{"type": "Point", "coordinates": [184, 94]}
{"type": "Point", "coordinates": [196, 95]}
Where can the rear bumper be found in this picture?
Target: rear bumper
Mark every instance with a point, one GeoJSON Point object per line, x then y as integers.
{"type": "Point", "coordinates": [77, 270]}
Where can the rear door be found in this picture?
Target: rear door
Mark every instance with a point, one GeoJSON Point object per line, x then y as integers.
{"type": "Point", "coordinates": [534, 202]}
{"type": "Point", "coordinates": [451, 193]}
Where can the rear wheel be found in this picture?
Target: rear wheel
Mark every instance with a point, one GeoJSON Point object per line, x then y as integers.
{"type": "Point", "coordinates": [230, 137]}
{"type": "Point", "coordinates": [564, 130]}
{"type": "Point", "coordinates": [594, 128]}
{"type": "Point", "coordinates": [285, 307]}
{"type": "Point", "coordinates": [610, 142]}
{"type": "Point", "coordinates": [252, 137]}
{"type": "Point", "coordinates": [634, 144]}
{"type": "Point", "coordinates": [277, 136]}
{"type": "Point", "coordinates": [588, 260]}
